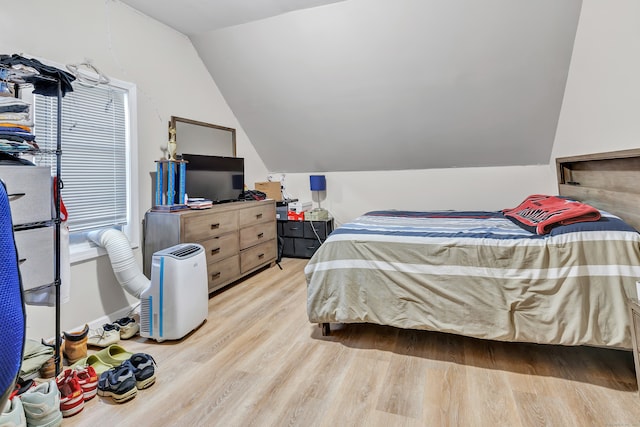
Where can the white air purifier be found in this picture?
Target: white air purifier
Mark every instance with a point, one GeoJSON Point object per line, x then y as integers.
{"type": "Point", "coordinates": [176, 301]}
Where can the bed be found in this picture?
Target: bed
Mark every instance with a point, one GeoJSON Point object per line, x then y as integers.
{"type": "Point", "coordinates": [483, 275]}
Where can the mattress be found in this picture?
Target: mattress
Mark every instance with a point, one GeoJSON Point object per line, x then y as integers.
{"type": "Point", "coordinates": [479, 274]}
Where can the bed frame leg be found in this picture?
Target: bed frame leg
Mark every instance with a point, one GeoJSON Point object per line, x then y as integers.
{"type": "Point", "coordinates": [326, 329]}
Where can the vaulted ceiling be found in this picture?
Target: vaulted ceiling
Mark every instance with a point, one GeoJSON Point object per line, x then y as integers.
{"type": "Point", "coordinates": [386, 84]}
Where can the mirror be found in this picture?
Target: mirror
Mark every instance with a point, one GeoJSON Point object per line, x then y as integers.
{"type": "Point", "coordinates": [195, 137]}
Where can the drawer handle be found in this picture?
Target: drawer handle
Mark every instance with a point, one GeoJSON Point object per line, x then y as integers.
{"type": "Point", "coordinates": [22, 260]}
{"type": "Point", "coordinates": [14, 196]}
{"type": "Point", "coordinates": [214, 276]}
{"type": "Point", "coordinates": [215, 226]}
{"type": "Point", "coordinates": [258, 216]}
{"type": "Point", "coordinates": [261, 256]}
{"type": "Point", "coordinates": [294, 228]}
{"type": "Point", "coordinates": [260, 236]}
{"type": "Point", "coordinates": [215, 251]}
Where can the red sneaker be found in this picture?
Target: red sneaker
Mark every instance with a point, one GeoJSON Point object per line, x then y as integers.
{"type": "Point", "coordinates": [71, 397]}
{"type": "Point", "coordinates": [88, 379]}
{"type": "Point", "coordinates": [22, 387]}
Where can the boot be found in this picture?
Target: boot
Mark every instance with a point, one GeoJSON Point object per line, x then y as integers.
{"type": "Point", "coordinates": [48, 369]}
{"type": "Point", "coordinates": [75, 345]}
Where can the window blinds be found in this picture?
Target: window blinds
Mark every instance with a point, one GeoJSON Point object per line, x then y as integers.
{"type": "Point", "coordinates": [94, 151]}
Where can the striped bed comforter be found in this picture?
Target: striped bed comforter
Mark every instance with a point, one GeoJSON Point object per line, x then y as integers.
{"type": "Point", "coordinates": [480, 275]}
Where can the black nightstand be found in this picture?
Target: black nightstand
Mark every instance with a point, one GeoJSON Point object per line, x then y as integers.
{"type": "Point", "coordinates": [303, 238]}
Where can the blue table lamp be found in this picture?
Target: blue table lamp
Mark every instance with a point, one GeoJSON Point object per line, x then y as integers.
{"type": "Point", "coordinates": [318, 183]}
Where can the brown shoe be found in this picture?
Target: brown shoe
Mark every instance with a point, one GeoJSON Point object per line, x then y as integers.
{"type": "Point", "coordinates": [48, 370]}
{"type": "Point", "coordinates": [75, 345]}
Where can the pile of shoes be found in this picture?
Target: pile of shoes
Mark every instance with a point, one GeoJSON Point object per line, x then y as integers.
{"type": "Point", "coordinates": [110, 372]}
{"type": "Point", "coordinates": [122, 373]}
{"type": "Point", "coordinates": [123, 382]}
{"type": "Point", "coordinates": [73, 344]}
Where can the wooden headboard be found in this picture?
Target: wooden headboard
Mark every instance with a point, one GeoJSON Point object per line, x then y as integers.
{"type": "Point", "coordinates": [607, 181]}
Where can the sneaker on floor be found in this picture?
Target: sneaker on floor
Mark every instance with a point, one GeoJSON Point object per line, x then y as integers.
{"type": "Point", "coordinates": [13, 414]}
{"type": "Point", "coordinates": [71, 397]}
{"type": "Point", "coordinates": [88, 379]}
{"type": "Point", "coordinates": [119, 383]}
{"type": "Point", "coordinates": [144, 370]}
{"type": "Point", "coordinates": [42, 405]}
{"type": "Point", "coordinates": [104, 336]}
{"type": "Point", "coordinates": [21, 387]}
{"type": "Point", "coordinates": [128, 327]}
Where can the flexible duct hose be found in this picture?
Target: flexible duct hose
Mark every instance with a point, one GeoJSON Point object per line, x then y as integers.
{"type": "Point", "coordinates": [123, 263]}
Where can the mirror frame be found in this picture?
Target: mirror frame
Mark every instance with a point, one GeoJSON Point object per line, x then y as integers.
{"type": "Point", "coordinates": [175, 119]}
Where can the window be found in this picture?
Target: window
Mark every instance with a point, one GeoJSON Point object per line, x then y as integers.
{"type": "Point", "coordinates": [98, 167]}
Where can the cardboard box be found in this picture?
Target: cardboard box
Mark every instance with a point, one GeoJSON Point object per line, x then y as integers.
{"type": "Point", "coordinates": [271, 189]}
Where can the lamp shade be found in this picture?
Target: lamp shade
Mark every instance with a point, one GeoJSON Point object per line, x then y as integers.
{"type": "Point", "coordinates": [318, 182]}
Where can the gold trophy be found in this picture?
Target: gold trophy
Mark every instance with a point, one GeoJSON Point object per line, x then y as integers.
{"type": "Point", "coordinates": [172, 145]}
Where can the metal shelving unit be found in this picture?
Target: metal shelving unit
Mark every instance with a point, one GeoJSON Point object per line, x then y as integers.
{"type": "Point", "coordinates": [57, 203]}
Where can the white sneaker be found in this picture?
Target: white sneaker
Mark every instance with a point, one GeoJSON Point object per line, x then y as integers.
{"type": "Point", "coordinates": [13, 414]}
{"type": "Point", "coordinates": [128, 327]}
{"type": "Point", "coordinates": [42, 405]}
{"type": "Point", "coordinates": [104, 336]}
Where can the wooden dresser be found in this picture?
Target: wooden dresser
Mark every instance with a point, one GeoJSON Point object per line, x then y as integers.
{"type": "Point", "coordinates": [238, 238]}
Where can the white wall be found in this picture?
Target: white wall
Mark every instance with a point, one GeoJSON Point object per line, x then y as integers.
{"type": "Point", "coordinates": [171, 80]}
{"type": "Point", "coordinates": [350, 194]}
{"type": "Point", "coordinates": [601, 108]}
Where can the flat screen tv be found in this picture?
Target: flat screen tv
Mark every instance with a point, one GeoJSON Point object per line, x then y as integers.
{"type": "Point", "coordinates": [219, 179]}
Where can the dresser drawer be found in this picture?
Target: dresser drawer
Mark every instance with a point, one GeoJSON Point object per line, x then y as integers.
{"type": "Point", "coordinates": [223, 272]}
{"type": "Point", "coordinates": [29, 189]}
{"type": "Point", "coordinates": [259, 233]}
{"type": "Point", "coordinates": [257, 255]}
{"type": "Point", "coordinates": [262, 213]}
{"type": "Point", "coordinates": [201, 227]}
{"type": "Point", "coordinates": [220, 247]}
{"type": "Point", "coordinates": [35, 255]}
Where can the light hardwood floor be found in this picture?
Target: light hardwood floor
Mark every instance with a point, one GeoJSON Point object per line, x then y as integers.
{"type": "Point", "coordinates": [257, 361]}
